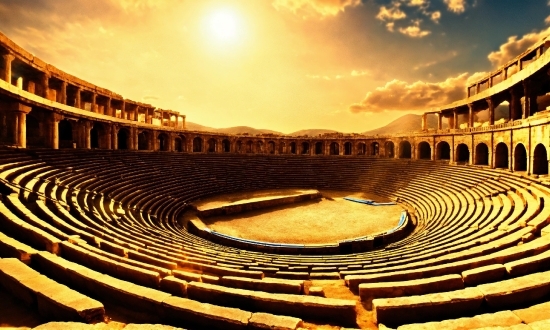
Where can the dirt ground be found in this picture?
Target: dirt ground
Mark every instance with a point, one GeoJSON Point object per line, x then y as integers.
{"type": "Point", "coordinates": [327, 220]}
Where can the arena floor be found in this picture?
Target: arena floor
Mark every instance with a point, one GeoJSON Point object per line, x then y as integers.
{"type": "Point", "coordinates": [326, 220]}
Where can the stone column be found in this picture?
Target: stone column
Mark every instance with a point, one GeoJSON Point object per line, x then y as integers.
{"type": "Point", "coordinates": [63, 93]}
{"type": "Point", "coordinates": [114, 137]}
{"type": "Point", "coordinates": [78, 98]}
{"type": "Point", "coordinates": [515, 104]}
{"type": "Point", "coordinates": [123, 110]}
{"type": "Point", "coordinates": [8, 59]}
{"type": "Point", "coordinates": [108, 110]}
{"type": "Point", "coordinates": [86, 129]}
{"type": "Point", "coordinates": [439, 121]}
{"type": "Point", "coordinates": [20, 112]}
{"type": "Point", "coordinates": [491, 111]}
{"type": "Point", "coordinates": [45, 85]}
{"type": "Point", "coordinates": [471, 115]}
{"type": "Point", "coordinates": [455, 119]}
{"type": "Point", "coordinates": [134, 138]}
{"type": "Point", "coordinates": [93, 107]}
{"type": "Point", "coordinates": [54, 129]}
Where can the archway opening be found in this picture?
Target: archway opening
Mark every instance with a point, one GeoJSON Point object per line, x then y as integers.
{"type": "Point", "coordinates": [375, 149]}
{"type": "Point", "coordinates": [347, 148]}
{"type": "Point", "coordinates": [540, 160]}
{"type": "Point", "coordinates": [520, 158]}
{"type": "Point", "coordinates": [390, 149]}
{"type": "Point", "coordinates": [34, 134]}
{"type": "Point", "coordinates": [482, 154]}
{"type": "Point", "coordinates": [197, 144]}
{"type": "Point", "coordinates": [178, 147]}
{"type": "Point", "coordinates": [226, 145]}
{"type": "Point", "coordinates": [164, 142]}
{"type": "Point", "coordinates": [122, 139]}
{"type": "Point", "coordinates": [282, 147]}
{"type": "Point", "coordinates": [334, 148]}
{"type": "Point", "coordinates": [318, 148]}
{"type": "Point", "coordinates": [405, 150]}
{"type": "Point", "coordinates": [424, 150]}
{"type": "Point", "coordinates": [462, 153]}
{"type": "Point", "coordinates": [443, 151]}
{"type": "Point", "coordinates": [271, 147]}
{"type": "Point", "coordinates": [361, 149]}
{"type": "Point", "coordinates": [293, 148]}
{"type": "Point", "coordinates": [249, 147]}
{"type": "Point", "coordinates": [305, 148]}
{"type": "Point", "coordinates": [65, 134]}
{"type": "Point", "coordinates": [501, 156]}
{"type": "Point", "coordinates": [95, 136]}
{"type": "Point", "coordinates": [212, 145]}
{"type": "Point", "coordinates": [143, 141]}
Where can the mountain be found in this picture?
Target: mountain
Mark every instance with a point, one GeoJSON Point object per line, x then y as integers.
{"type": "Point", "coordinates": [406, 123]}
{"type": "Point", "coordinates": [229, 130]}
{"type": "Point", "coordinates": [312, 132]}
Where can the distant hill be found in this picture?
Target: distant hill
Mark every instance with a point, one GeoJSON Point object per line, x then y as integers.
{"type": "Point", "coordinates": [406, 123]}
{"type": "Point", "coordinates": [229, 130]}
{"type": "Point", "coordinates": [312, 132]}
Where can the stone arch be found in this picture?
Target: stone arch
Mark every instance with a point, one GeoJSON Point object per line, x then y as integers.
{"type": "Point", "coordinates": [293, 147]}
{"type": "Point", "coordinates": [97, 136]}
{"type": "Point", "coordinates": [540, 160]}
{"type": "Point", "coordinates": [211, 145]}
{"type": "Point", "coordinates": [405, 149]}
{"type": "Point", "coordinates": [462, 153]}
{"type": "Point", "coordinates": [375, 149]}
{"type": "Point", "coordinates": [143, 140]}
{"type": "Point", "coordinates": [123, 139]}
{"type": "Point", "coordinates": [282, 147]}
{"type": "Point", "coordinates": [482, 154]}
{"type": "Point", "coordinates": [443, 151]}
{"type": "Point", "coordinates": [334, 148]}
{"type": "Point", "coordinates": [520, 158]}
{"type": "Point", "coordinates": [163, 142]}
{"type": "Point", "coordinates": [178, 145]}
{"type": "Point", "coordinates": [271, 147]}
{"type": "Point", "coordinates": [347, 148]}
{"type": "Point", "coordinates": [424, 150]}
{"type": "Point", "coordinates": [502, 157]}
{"type": "Point", "coordinates": [361, 148]}
{"type": "Point", "coordinates": [197, 144]}
{"type": "Point", "coordinates": [249, 146]}
{"type": "Point", "coordinates": [33, 134]}
{"type": "Point", "coordinates": [65, 128]}
{"type": "Point", "coordinates": [319, 146]}
{"type": "Point", "coordinates": [390, 149]}
{"type": "Point", "coordinates": [305, 148]}
{"type": "Point", "coordinates": [226, 145]}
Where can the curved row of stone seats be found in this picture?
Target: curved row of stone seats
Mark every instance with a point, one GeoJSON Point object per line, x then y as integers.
{"type": "Point", "coordinates": [102, 326]}
{"type": "Point", "coordinates": [53, 301]}
{"type": "Point", "coordinates": [500, 295]}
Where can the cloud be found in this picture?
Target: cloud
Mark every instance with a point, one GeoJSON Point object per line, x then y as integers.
{"type": "Point", "coordinates": [149, 98]}
{"type": "Point", "coordinates": [456, 6]}
{"type": "Point", "coordinates": [547, 20]}
{"type": "Point", "coordinates": [352, 74]}
{"type": "Point", "coordinates": [392, 13]}
{"type": "Point", "coordinates": [323, 8]}
{"type": "Point", "coordinates": [417, 3]}
{"type": "Point", "coordinates": [514, 46]}
{"type": "Point", "coordinates": [399, 95]}
{"type": "Point", "coordinates": [435, 16]}
{"type": "Point", "coordinates": [414, 30]}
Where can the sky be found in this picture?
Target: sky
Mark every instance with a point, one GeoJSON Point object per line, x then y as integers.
{"type": "Point", "coordinates": [284, 65]}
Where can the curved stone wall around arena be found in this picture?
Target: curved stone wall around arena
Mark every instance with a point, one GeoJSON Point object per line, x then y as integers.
{"type": "Point", "coordinates": [41, 106]}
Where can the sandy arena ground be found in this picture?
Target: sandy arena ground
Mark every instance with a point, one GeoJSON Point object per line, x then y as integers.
{"type": "Point", "coordinates": [327, 220]}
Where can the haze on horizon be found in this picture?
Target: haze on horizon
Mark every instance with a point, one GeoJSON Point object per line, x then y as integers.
{"type": "Point", "coordinates": [283, 65]}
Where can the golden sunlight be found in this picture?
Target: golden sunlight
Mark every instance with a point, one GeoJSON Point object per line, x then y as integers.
{"type": "Point", "coordinates": [224, 25]}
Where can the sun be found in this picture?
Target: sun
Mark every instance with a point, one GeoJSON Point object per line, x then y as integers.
{"type": "Point", "coordinates": [224, 25]}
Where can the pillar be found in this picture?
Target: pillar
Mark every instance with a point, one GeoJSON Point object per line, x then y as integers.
{"type": "Point", "coordinates": [108, 111]}
{"type": "Point", "coordinates": [471, 115]}
{"type": "Point", "coordinates": [54, 129]}
{"type": "Point", "coordinates": [452, 121]}
{"type": "Point", "coordinates": [114, 137]}
{"type": "Point", "coordinates": [86, 129]}
{"type": "Point", "coordinates": [78, 98]}
{"type": "Point", "coordinates": [455, 119]}
{"type": "Point", "coordinates": [20, 112]}
{"type": "Point", "coordinates": [45, 85]}
{"type": "Point", "coordinates": [123, 110]}
{"type": "Point", "coordinates": [93, 107]}
{"type": "Point", "coordinates": [424, 121]}
{"type": "Point", "coordinates": [8, 59]}
{"type": "Point", "coordinates": [491, 105]}
{"type": "Point", "coordinates": [439, 121]}
{"type": "Point", "coordinates": [63, 93]}
{"type": "Point", "coordinates": [134, 138]}
{"type": "Point", "coordinates": [183, 122]}
{"type": "Point", "coordinates": [515, 111]}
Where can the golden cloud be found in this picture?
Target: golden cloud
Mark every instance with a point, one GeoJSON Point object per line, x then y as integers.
{"type": "Point", "coordinates": [315, 7]}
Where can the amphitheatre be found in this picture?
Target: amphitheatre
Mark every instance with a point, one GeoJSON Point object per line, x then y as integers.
{"type": "Point", "coordinates": [94, 232]}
